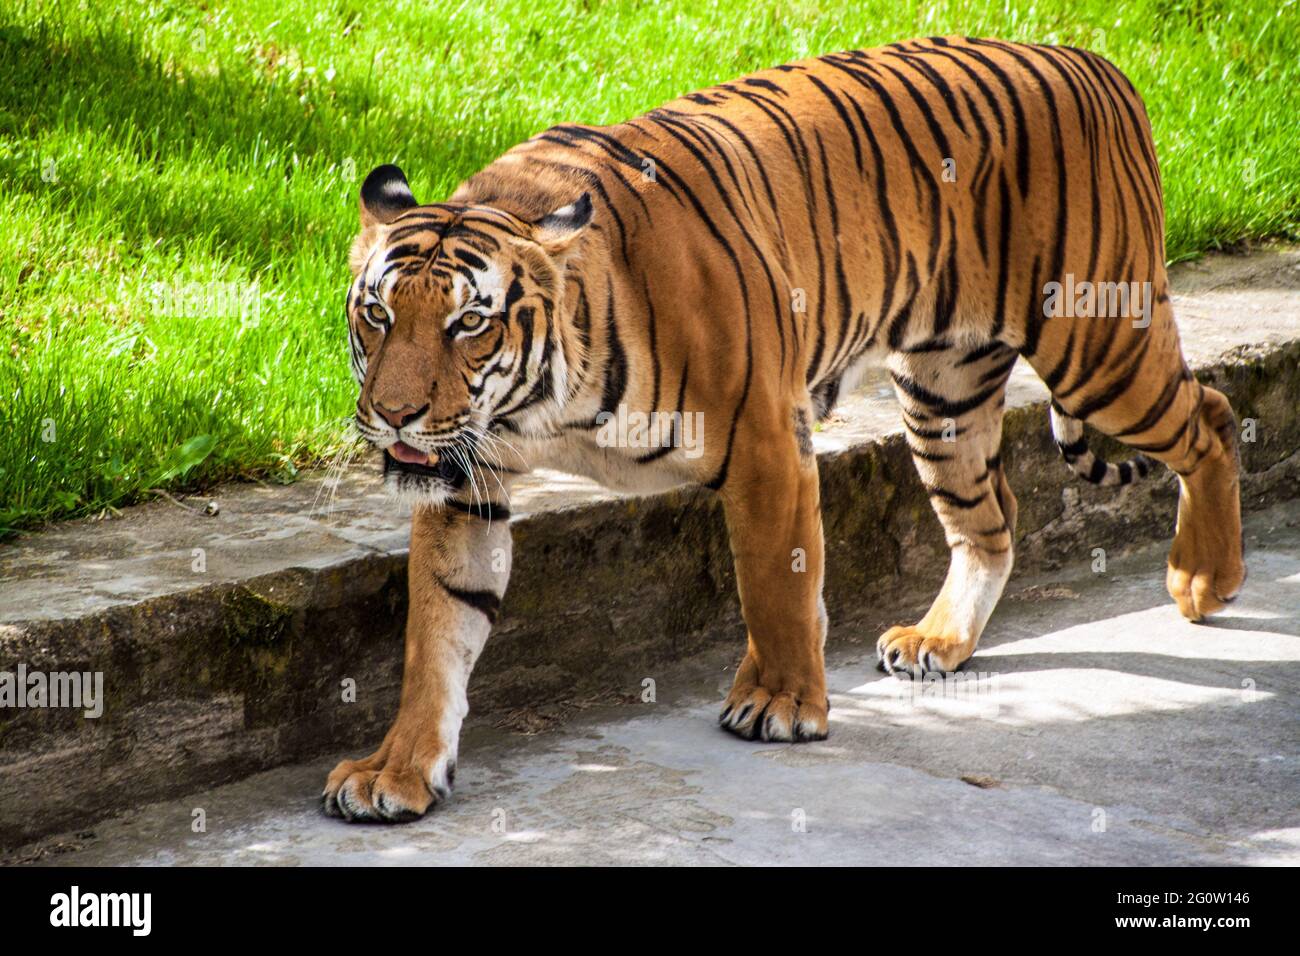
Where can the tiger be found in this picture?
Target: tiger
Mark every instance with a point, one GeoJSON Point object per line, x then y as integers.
{"type": "Point", "coordinates": [738, 258]}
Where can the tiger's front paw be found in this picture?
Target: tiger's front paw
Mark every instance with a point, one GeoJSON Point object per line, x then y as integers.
{"type": "Point", "coordinates": [756, 713]}
{"type": "Point", "coordinates": [387, 787]}
{"type": "Point", "coordinates": [909, 650]}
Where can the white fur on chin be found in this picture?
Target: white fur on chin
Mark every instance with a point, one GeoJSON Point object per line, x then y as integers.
{"type": "Point", "coordinates": [414, 491]}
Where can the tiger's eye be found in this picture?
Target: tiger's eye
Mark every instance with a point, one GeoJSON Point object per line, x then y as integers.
{"type": "Point", "coordinates": [376, 313]}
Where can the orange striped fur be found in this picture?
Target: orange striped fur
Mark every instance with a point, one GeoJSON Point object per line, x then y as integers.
{"type": "Point", "coordinates": [735, 259]}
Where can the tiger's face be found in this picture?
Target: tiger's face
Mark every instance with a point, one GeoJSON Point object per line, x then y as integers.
{"type": "Point", "coordinates": [455, 327]}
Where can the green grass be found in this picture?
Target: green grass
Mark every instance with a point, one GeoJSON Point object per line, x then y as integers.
{"type": "Point", "coordinates": [220, 144]}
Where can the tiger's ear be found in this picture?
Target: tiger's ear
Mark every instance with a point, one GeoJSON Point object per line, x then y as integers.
{"type": "Point", "coordinates": [556, 231]}
{"type": "Point", "coordinates": [385, 195]}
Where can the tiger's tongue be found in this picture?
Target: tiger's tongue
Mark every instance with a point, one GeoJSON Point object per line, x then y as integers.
{"type": "Point", "coordinates": [405, 453]}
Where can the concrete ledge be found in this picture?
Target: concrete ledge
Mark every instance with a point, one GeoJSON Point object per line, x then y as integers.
{"type": "Point", "coordinates": [216, 673]}
{"type": "Point", "coordinates": [1095, 727]}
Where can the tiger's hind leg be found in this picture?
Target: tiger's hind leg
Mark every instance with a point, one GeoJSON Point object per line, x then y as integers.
{"type": "Point", "coordinates": [1207, 567]}
{"type": "Point", "coordinates": [1151, 402]}
{"type": "Point", "coordinates": [952, 409]}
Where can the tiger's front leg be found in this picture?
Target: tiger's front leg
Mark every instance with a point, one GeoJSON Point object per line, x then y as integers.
{"type": "Point", "coordinates": [773, 508]}
{"type": "Point", "coordinates": [458, 569]}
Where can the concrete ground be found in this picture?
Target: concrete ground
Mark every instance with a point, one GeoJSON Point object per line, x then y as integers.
{"type": "Point", "coordinates": [1094, 726]}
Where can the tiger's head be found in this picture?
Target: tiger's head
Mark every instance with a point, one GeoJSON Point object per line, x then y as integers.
{"type": "Point", "coordinates": [455, 326]}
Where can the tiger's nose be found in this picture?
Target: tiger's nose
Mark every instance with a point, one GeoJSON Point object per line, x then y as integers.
{"type": "Point", "coordinates": [399, 418]}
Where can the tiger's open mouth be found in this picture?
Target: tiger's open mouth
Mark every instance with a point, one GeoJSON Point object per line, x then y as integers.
{"type": "Point", "coordinates": [402, 458]}
{"type": "Point", "coordinates": [406, 455]}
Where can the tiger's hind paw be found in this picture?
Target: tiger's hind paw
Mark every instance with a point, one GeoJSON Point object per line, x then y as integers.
{"type": "Point", "coordinates": [1199, 589]}
{"type": "Point", "coordinates": [907, 649]}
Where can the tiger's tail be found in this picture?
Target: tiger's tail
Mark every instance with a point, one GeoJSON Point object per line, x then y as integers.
{"type": "Point", "coordinates": [1068, 433]}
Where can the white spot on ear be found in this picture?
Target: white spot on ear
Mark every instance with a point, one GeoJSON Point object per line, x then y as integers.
{"type": "Point", "coordinates": [395, 187]}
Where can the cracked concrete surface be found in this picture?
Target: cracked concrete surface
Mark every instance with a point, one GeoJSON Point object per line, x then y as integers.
{"type": "Point", "coordinates": [1093, 726]}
